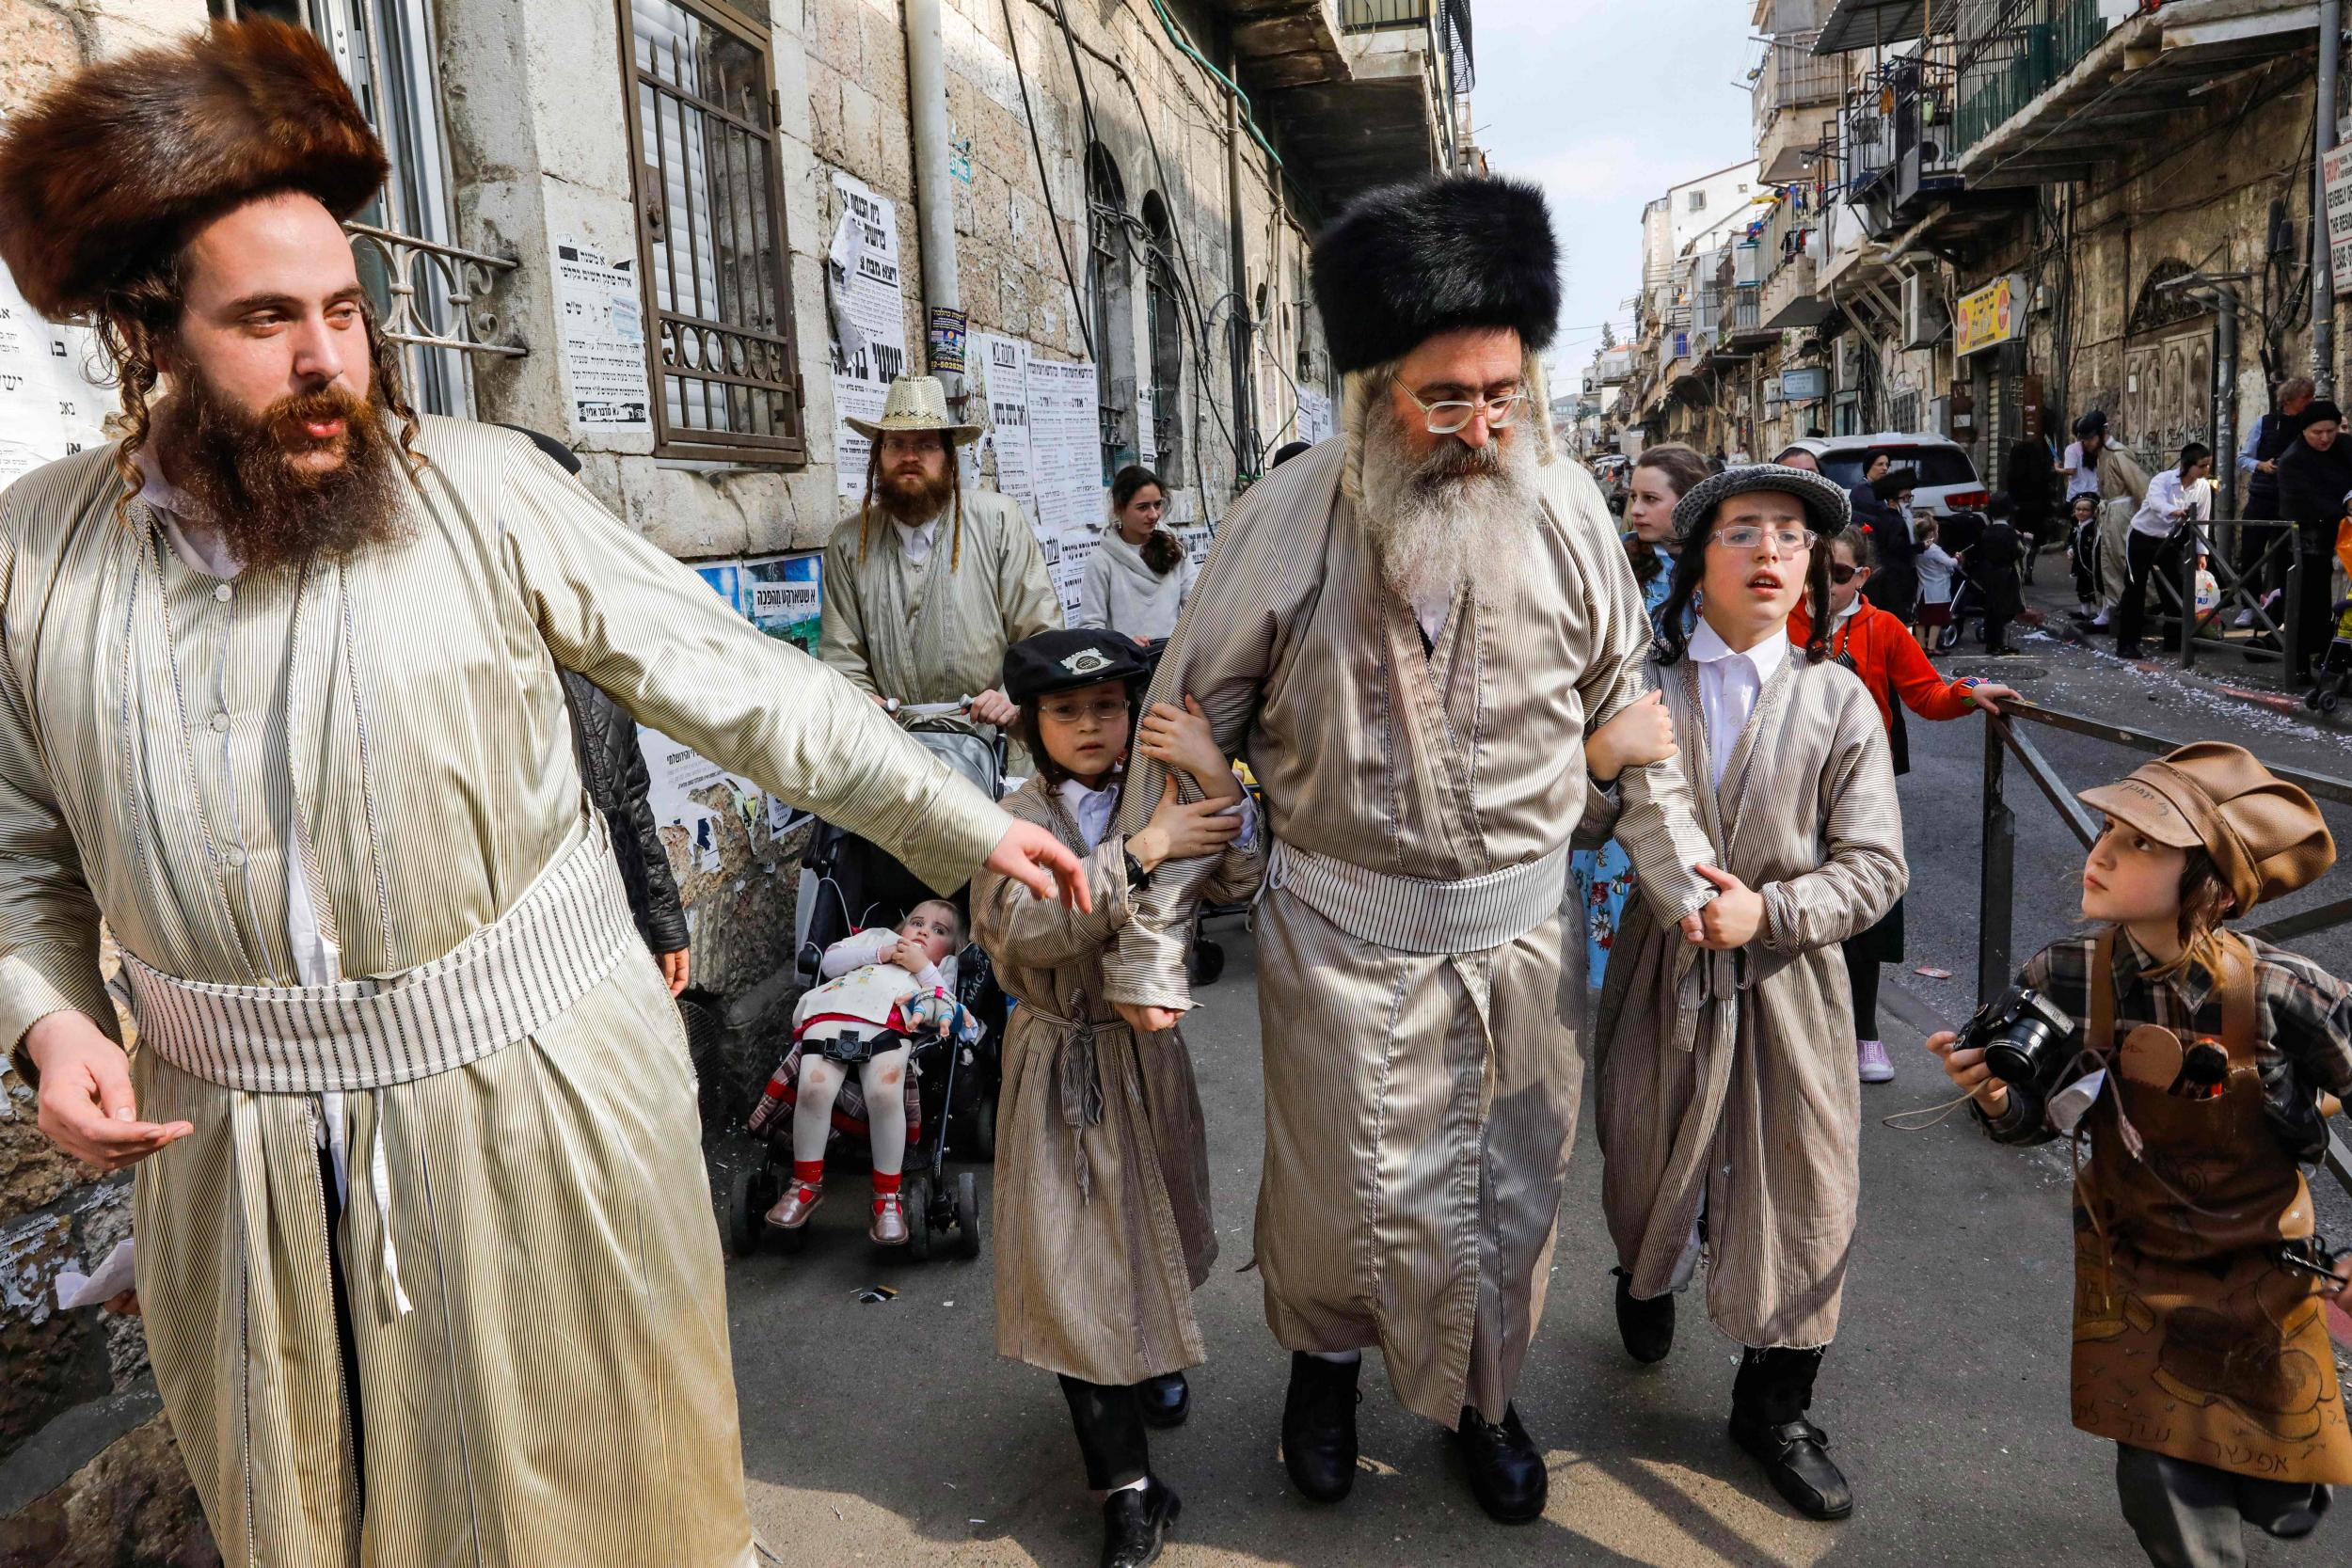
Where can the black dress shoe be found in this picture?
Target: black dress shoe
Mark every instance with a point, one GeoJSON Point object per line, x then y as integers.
{"type": "Point", "coordinates": [1319, 1426]}
{"type": "Point", "coordinates": [1165, 1401]}
{"type": "Point", "coordinates": [1647, 1327]}
{"type": "Point", "coordinates": [1135, 1524]}
{"type": "Point", "coordinates": [1506, 1473]}
{"type": "Point", "coordinates": [1796, 1457]}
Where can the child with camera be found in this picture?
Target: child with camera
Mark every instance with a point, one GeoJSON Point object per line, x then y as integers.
{"type": "Point", "coordinates": [2200, 1064]}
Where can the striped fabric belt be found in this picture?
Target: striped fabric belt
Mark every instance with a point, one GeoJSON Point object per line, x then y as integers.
{"type": "Point", "coordinates": [1417, 915]}
{"type": "Point", "coordinates": [508, 980]}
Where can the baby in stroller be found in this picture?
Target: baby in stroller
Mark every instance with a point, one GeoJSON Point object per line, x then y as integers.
{"type": "Point", "coordinates": [881, 989]}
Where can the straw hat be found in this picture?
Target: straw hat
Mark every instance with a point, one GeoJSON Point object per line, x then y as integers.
{"type": "Point", "coordinates": [915, 403]}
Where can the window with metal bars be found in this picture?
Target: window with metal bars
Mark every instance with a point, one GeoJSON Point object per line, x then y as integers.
{"type": "Point", "coordinates": [711, 227]}
{"type": "Point", "coordinates": [1165, 333]}
{"type": "Point", "coordinates": [1110, 304]}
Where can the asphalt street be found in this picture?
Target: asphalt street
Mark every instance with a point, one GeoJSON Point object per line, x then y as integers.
{"type": "Point", "coordinates": [890, 1432]}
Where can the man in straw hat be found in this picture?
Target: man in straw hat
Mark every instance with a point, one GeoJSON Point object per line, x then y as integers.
{"type": "Point", "coordinates": [1410, 631]}
{"type": "Point", "coordinates": [424, 1253]}
{"type": "Point", "coordinates": [921, 603]}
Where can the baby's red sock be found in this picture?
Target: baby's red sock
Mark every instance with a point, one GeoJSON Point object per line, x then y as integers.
{"type": "Point", "coordinates": [885, 1186]}
{"type": "Point", "coordinates": [809, 1173]}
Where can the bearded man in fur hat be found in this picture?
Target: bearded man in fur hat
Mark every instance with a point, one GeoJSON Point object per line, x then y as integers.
{"type": "Point", "coordinates": [1410, 631]}
{"type": "Point", "coordinates": [922, 602]}
{"type": "Point", "coordinates": [424, 1253]}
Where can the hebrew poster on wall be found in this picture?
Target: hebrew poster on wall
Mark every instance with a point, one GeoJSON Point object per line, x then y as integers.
{"type": "Point", "coordinates": [51, 403]}
{"type": "Point", "coordinates": [865, 299]}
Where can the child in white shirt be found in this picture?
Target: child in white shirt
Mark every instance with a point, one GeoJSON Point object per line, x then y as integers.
{"type": "Point", "coordinates": [1935, 566]}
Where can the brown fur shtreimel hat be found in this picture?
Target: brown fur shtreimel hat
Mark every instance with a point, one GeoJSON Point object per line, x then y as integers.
{"type": "Point", "coordinates": [106, 171]}
{"type": "Point", "coordinates": [2264, 835]}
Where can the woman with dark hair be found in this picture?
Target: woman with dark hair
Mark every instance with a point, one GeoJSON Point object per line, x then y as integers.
{"type": "Point", "coordinates": [1138, 578]}
{"type": "Point", "coordinates": [1730, 1125]}
{"type": "Point", "coordinates": [1600, 880]}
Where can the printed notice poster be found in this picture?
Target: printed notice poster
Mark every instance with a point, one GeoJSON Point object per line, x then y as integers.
{"type": "Point", "coordinates": [1066, 465]}
{"type": "Point", "coordinates": [784, 596]}
{"type": "Point", "coordinates": [867, 305]}
{"type": "Point", "coordinates": [50, 408]}
{"type": "Point", "coordinates": [604, 339]}
{"type": "Point", "coordinates": [1003, 367]}
{"type": "Point", "coordinates": [1314, 416]}
{"type": "Point", "coordinates": [2336, 179]}
{"type": "Point", "coordinates": [686, 791]}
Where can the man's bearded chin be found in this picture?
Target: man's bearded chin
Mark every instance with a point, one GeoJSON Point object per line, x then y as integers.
{"type": "Point", "coordinates": [913, 498]}
{"type": "Point", "coordinates": [239, 468]}
{"type": "Point", "coordinates": [1430, 519]}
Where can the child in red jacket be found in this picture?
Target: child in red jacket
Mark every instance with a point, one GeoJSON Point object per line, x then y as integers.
{"type": "Point", "coordinates": [1879, 648]}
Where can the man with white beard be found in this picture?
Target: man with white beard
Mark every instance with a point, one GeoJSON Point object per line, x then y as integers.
{"type": "Point", "coordinates": [1409, 632]}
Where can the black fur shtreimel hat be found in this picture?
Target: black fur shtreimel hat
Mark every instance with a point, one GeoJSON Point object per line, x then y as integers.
{"type": "Point", "coordinates": [1407, 261]}
{"type": "Point", "coordinates": [1060, 660]}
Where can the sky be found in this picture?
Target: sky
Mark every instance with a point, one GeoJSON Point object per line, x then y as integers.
{"type": "Point", "coordinates": [1606, 105]}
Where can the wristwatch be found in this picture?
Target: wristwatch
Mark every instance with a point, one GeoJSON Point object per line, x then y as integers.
{"type": "Point", "coordinates": [1967, 689]}
{"type": "Point", "coordinates": [1138, 878]}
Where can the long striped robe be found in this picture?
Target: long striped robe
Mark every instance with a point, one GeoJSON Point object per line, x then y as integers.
{"type": "Point", "coordinates": [1420, 1104]}
{"type": "Point", "coordinates": [561, 1391]}
{"type": "Point", "coordinates": [1731, 1087]}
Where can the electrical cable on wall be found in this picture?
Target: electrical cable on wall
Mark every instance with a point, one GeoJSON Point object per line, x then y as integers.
{"type": "Point", "coordinates": [1045, 180]}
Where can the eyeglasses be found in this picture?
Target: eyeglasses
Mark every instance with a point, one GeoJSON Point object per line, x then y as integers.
{"type": "Point", "coordinates": [1102, 710]}
{"type": "Point", "coordinates": [1841, 574]}
{"type": "Point", "coordinates": [1453, 414]}
{"type": "Point", "coordinates": [1792, 541]}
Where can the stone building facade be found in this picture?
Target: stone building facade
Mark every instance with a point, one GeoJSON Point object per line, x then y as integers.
{"type": "Point", "coordinates": [1132, 186]}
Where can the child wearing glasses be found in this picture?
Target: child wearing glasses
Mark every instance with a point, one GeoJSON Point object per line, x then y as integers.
{"type": "Point", "coordinates": [1730, 1120]}
{"type": "Point", "coordinates": [1879, 648]}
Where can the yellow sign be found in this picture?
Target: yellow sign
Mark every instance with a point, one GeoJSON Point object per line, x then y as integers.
{"type": "Point", "coordinates": [1991, 315]}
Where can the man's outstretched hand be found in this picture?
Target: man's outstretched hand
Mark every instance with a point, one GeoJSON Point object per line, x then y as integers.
{"type": "Point", "coordinates": [1039, 861]}
{"type": "Point", "coordinates": [86, 1103]}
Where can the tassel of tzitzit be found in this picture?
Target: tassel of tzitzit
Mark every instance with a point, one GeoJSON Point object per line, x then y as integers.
{"type": "Point", "coordinates": [955, 481]}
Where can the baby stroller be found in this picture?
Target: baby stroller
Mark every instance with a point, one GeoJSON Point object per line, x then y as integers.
{"type": "Point", "coordinates": [848, 884]}
{"type": "Point", "coordinates": [2334, 670]}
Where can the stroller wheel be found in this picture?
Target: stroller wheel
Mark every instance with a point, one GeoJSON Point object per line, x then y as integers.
{"type": "Point", "coordinates": [755, 1192]}
{"type": "Point", "coordinates": [2311, 699]}
{"type": "Point", "coordinates": [2327, 701]}
{"type": "Point", "coordinates": [983, 1140]}
{"type": "Point", "coordinates": [1206, 962]}
{"type": "Point", "coordinates": [919, 1206]}
{"type": "Point", "coordinates": [967, 1215]}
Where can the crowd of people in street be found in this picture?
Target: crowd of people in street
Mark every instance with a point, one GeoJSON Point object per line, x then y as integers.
{"type": "Point", "coordinates": [424, 1259]}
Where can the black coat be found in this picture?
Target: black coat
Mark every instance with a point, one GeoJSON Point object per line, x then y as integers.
{"type": "Point", "coordinates": [1992, 565]}
{"type": "Point", "coordinates": [613, 767]}
{"type": "Point", "coordinates": [2311, 487]}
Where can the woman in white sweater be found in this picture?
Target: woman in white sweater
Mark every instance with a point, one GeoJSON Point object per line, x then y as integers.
{"type": "Point", "coordinates": [1138, 579]}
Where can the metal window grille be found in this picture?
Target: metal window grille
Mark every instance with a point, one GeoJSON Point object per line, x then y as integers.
{"type": "Point", "coordinates": [1166, 325]}
{"type": "Point", "coordinates": [1364, 16]}
{"type": "Point", "coordinates": [1109, 302]}
{"type": "Point", "coordinates": [427, 291]}
{"type": "Point", "coordinates": [710, 227]}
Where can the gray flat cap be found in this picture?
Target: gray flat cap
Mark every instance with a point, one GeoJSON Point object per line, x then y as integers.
{"type": "Point", "coordinates": [1828, 506]}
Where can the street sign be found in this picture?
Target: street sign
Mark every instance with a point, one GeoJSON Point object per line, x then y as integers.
{"type": "Point", "coordinates": [2336, 174]}
{"type": "Point", "coordinates": [1805, 384]}
{"type": "Point", "coordinates": [1990, 316]}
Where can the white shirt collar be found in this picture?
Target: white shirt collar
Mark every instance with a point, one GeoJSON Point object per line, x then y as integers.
{"type": "Point", "coordinates": [917, 539]}
{"type": "Point", "coordinates": [198, 548]}
{"type": "Point", "coordinates": [1092, 809]}
{"type": "Point", "coordinates": [1851, 609]}
{"type": "Point", "coordinates": [1765, 658]}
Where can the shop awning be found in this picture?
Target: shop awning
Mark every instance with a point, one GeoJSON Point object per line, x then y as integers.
{"type": "Point", "coordinates": [1863, 24]}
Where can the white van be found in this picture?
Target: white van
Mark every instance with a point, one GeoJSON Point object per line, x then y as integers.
{"type": "Point", "coordinates": [1948, 480]}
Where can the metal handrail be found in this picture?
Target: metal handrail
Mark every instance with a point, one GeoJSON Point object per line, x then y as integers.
{"type": "Point", "coordinates": [1998, 867]}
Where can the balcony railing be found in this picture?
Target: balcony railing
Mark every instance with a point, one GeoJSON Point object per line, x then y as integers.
{"type": "Point", "coordinates": [1366, 16]}
{"type": "Point", "coordinates": [2012, 56]}
{"type": "Point", "coordinates": [1866, 139]}
{"type": "Point", "coordinates": [1794, 77]}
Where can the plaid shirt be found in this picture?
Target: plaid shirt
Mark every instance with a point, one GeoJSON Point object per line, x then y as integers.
{"type": "Point", "coordinates": [2302, 1026]}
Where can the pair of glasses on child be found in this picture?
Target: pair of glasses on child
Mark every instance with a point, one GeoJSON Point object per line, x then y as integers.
{"type": "Point", "coordinates": [1747, 537]}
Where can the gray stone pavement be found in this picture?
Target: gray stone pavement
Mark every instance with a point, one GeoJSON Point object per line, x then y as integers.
{"type": "Point", "coordinates": [892, 1433]}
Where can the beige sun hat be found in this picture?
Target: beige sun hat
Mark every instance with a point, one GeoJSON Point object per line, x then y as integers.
{"type": "Point", "coordinates": [915, 403]}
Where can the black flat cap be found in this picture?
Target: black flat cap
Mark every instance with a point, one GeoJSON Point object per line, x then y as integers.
{"type": "Point", "coordinates": [1061, 660]}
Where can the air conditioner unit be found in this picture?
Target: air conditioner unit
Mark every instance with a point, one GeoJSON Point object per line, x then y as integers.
{"type": "Point", "coordinates": [1924, 321]}
{"type": "Point", "coordinates": [1848, 363]}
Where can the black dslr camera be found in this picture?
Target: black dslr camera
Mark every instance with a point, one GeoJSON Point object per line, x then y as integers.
{"type": "Point", "coordinates": [2028, 1040]}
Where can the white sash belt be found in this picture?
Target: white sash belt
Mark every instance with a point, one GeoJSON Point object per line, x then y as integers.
{"type": "Point", "coordinates": [510, 979]}
{"type": "Point", "coordinates": [1417, 915]}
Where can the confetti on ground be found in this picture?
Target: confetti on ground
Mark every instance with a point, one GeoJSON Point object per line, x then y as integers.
{"type": "Point", "coordinates": [1933, 974]}
{"type": "Point", "coordinates": [873, 1294]}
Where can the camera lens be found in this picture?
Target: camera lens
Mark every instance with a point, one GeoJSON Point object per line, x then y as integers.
{"type": "Point", "coordinates": [2026, 1054]}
